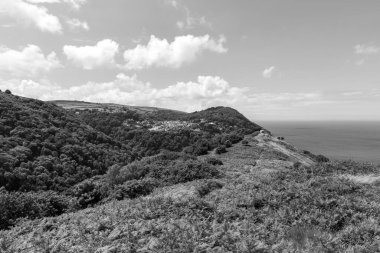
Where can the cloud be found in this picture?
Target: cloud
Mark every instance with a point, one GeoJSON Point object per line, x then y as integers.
{"type": "Point", "coordinates": [173, 3]}
{"type": "Point", "coordinates": [90, 57]}
{"type": "Point", "coordinates": [269, 72]}
{"type": "Point", "coordinates": [30, 61]}
{"type": "Point", "coordinates": [364, 49]}
{"type": "Point", "coordinates": [206, 91]}
{"type": "Point", "coordinates": [76, 4]}
{"type": "Point", "coordinates": [202, 93]}
{"type": "Point", "coordinates": [161, 53]}
{"type": "Point", "coordinates": [30, 14]}
{"type": "Point", "coordinates": [76, 23]}
{"type": "Point", "coordinates": [191, 21]}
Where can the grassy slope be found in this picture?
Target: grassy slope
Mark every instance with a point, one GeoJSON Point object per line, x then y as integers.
{"type": "Point", "coordinates": [263, 204]}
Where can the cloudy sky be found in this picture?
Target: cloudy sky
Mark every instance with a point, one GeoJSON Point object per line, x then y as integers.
{"type": "Point", "coordinates": [271, 60]}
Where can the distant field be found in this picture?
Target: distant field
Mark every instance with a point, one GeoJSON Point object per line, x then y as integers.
{"type": "Point", "coordinates": [81, 105]}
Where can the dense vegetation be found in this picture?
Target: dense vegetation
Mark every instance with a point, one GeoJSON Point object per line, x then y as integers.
{"type": "Point", "coordinates": [46, 149]}
{"type": "Point", "coordinates": [228, 126]}
{"type": "Point", "coordinates": [304, 209]}
{"type": "Point", "coordinates": [43, 147]}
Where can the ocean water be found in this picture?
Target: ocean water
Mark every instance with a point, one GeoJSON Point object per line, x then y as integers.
{"type": "Point", "coordinates": [359, 141]}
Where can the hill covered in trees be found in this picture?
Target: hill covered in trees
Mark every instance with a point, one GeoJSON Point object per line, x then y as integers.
{"type": "Point", "coordinates": [53, 160]}
{"type": "Point", "coordinates": [44, 147]}
{"type": "Point", "coordinates": [110, 178]}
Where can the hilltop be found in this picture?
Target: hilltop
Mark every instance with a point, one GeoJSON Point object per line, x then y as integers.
{"type": "Point", "coordinates": [208, 181]}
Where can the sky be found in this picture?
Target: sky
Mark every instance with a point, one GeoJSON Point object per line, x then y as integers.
{"type": "Point", "coordinates": [269, 59]}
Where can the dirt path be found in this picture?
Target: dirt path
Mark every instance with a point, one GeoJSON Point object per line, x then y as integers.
{"type": "Point", "coordinates": [270, 142]}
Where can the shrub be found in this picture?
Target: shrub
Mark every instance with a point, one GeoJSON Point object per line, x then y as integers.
{"type": "Point", "coordinates": [201, 148]}
{"type": "Point", "coordinates": [228, 143]}
{"type": "Point", "coordinates": [306, 152]}
{"type": "Point", "coordinates": [220, 150]}
{"type": "Point", "coordinates": [8, 92]}
{"type": "Point", "coordinates": [322, 159]}
{"type": "Point", "coordinates": [182, 171]}
{"type": "Point", "coordinates": [135, 188]}
{"type": "Point", "coordinates": [245, 142]}
{"type": "Point", "coordinates": [213, 161]}
{"type": "Point", "coordinates": [113, 175]}
{"type": "Point", "coordinates": [168, 168]}
{"type": "Point", "coordinates": [209, 186]}
{"type": "Point", "coordinates": [90, 191]}
{"type": "Point", "coordinates": [16, 205]}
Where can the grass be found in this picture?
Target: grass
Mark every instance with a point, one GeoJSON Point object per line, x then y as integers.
{"type": "Point", "coordinates": [265, 208]}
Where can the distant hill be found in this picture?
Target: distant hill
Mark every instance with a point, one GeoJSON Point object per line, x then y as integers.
{"type": "Point", "coordinates": [107, 107]}
{"type": "Point", "coordinates": [227, 116]}
{"type": "Point", "coordinates": [148, 130]}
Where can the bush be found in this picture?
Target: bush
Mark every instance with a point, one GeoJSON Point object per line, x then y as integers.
{"type": "Point", "coordinates": [228, 143]}
{"type": "Point", "coordinates": [182, 171]}
{"type": "Point", "coordinates": [16, 205]}
{"type": "Point", "coordinates": [213, 161]}
{"type": "Point", "coordinates": [90, 191]}
{"type": "Point", "coordinates": [322, 159]}
{"type": "Point", "coordinates": [135, 188]}
{"type": "Point", "coordinates": [306, 152]}
{"type": "Point", "coordinates": [167, 168]}
{"type": "Point", "coordinates": [208, 187]}
{"type": "Point", "coordinates": [220, 150]}
{"type": "Point", "coordinates": [245, 142]}
{"type": "Point", "coordinates": [8, 92]}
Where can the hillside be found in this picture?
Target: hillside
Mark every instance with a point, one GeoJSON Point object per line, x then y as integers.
{"type": "Point", "coordinates": [270, 197]}
{"type": "Point", "coordinates": [78, 180]}
{"type": "Point", "coordinates": [147, 133]}
{"type": "Point", "coordinates": [45, 147]}
{"type": "Point", "coordinates": [53, 160]}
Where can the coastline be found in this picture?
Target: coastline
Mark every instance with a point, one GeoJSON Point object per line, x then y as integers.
{"type": "Point", "coordinates": [338, 140]}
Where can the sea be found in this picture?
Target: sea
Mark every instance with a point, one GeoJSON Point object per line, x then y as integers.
{"type": "Point", "coordinates": [338, 140]}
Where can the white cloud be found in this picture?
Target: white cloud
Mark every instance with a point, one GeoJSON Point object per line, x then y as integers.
{"type": "Point", "coordinates": [161, 53]}
{"type": "Point", "coordinates": [189, 96]}
{"type": "Point", "coordinates": [43, 1]}
{"type": "Point", "coordinates": [202, 93]}
{"type": "Point", "coordinates": [28, 62]}
{"type": "Point", "coordinates": [191, 21]}
{"type": "Point", "coordinates": [76, 4]}
{"type": "Point", "coordinates": [90, 57]}
{"type": "Point", "coordinates": [269, 72]}
{"type": "Point", "coordinates": [366, 49]}
{"type": "Point", "coordinates": [76, 23]}
{"type": "Point", "coordinates": [173, 3]}
{"type": "Point", "coordinates": [30, 14]}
